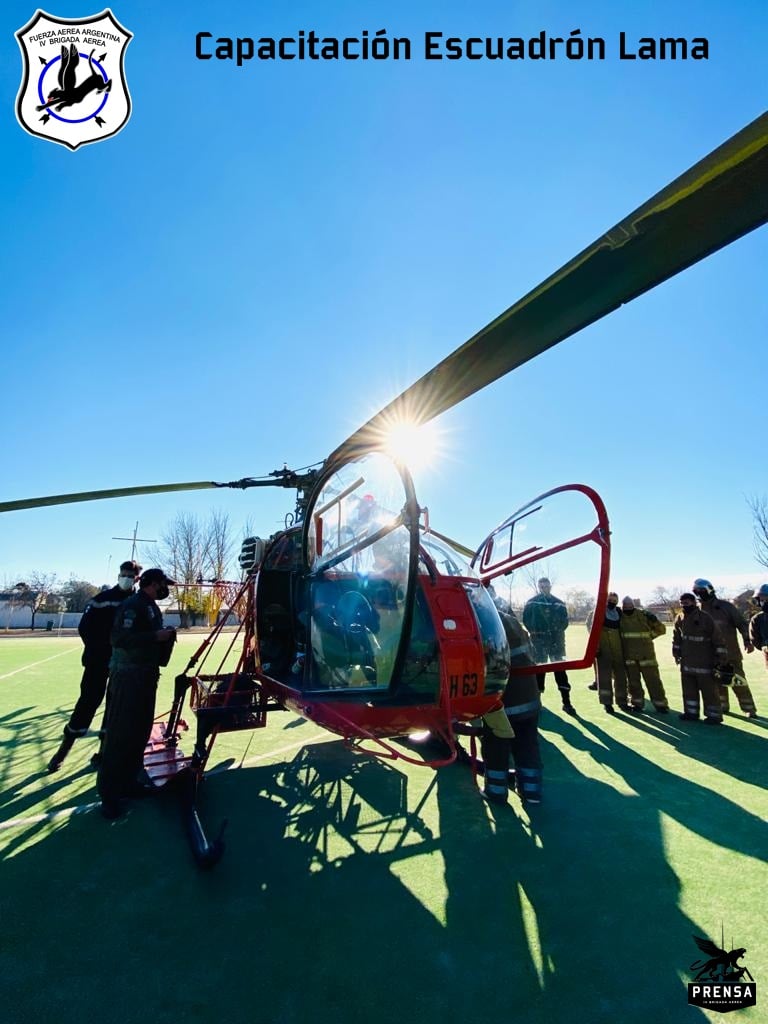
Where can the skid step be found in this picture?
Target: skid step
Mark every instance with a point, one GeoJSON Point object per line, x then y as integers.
{"type": "Point", "coordinates": [163, 759]}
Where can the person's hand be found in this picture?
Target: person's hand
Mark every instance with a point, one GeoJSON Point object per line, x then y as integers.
{"type": "Point", "coordinates": [749, 647]}
{"type": "Point", "coordinates": [677, 659]}
{"type": "Point", "coordinates": [164, 634]}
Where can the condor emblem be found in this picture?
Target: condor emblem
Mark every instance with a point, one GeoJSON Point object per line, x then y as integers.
{"type": "Point", "coordinates": [73, 89]}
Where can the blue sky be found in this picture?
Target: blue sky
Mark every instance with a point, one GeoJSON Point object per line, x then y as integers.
{"type": "Point", "coordinates": [266, 255]}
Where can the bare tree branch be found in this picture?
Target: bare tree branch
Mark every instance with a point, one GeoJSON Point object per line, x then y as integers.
{"type": "Point", "coordinates": [759, 508]}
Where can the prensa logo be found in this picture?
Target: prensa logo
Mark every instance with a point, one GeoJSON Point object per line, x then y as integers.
{"type": "Point", "coordinates": [721, 983]}
{"type": "Point", "coordinates": [73, 89]}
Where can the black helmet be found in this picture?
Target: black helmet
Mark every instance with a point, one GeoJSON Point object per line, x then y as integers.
{"type": "Point", "coordinates": [702, 588]}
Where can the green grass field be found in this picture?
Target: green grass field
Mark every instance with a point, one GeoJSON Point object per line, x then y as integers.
{"type": "Point", "coordinates": [358, 890]}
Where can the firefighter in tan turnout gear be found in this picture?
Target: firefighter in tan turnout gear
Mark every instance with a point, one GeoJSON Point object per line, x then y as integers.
{"type": "Point", "coordinates": [638, 629]}
{"type": "Point", "coordinates": [698, 648]}
{"type": "Point", "coordinates": [731, 623]}
{"type": "Point", "coordinates": [609, 661]}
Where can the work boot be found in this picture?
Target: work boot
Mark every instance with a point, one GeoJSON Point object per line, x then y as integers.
{"type": "Point", "coordinates": [662, 711]}
{"type": "Point", "coordinates": [635, 710]}
{"type": "Point", "coordinates": [497, 799]}
{"type": "Point", "coordinates": [685, 717]}
{"type": "Point", "coordinates": [713, 721]}
{"type": "Point", "coordinates": [592, 685]}
{"type": "Point", "coordinates": [609, 709]}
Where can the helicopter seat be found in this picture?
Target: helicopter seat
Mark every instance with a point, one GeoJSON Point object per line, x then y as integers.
{"type": "Point", "coordinates": [342, 637]}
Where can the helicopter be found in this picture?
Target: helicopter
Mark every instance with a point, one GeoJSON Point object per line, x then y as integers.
{"type": "Point", "coordinates": [359, 615]}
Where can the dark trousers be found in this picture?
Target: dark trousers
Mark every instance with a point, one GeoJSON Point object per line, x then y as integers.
{"type": "Point", "coordinates": [93, 686]}
{"type": "Point", "coordinates": [527, 758]}
{"type": "Point", "coordinates": [525, 755]}
{"type": "Point", "coordinates": [128, 725]}
{"type": "Point", "coordinates": [561, 678]}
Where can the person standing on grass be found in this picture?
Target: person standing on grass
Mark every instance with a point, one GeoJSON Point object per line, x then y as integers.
{"type": "Point", "coordinates": [638, 629]}
{"type": "Point", "coordinates": [758, 624]}
{"type": "Point", "coordinates": [140, 645]}
{"type": "Point", "coordinates": [512, 732]}
{"type": "Point", "coordinates": [609, 660]}
{"type": "Point", "coordinates": [94, 629]}
{"type": "Point", "coordinates": [546, 619]}
{"type": "Point", "coordinates": [731, 623]}
{"type": "Point", "coordinates": [697, 648]}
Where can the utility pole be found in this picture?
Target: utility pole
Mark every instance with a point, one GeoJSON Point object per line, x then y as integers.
{"type": "Point", "coordinates": [134, 539]}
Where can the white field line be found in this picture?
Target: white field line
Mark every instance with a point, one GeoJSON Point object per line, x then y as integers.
{"type": "Point", "coordinates": [35, 663]}
{"type": "Point", "coordinates": [36, 819]}
{"type": "Point", "coordinates": [68, 812]}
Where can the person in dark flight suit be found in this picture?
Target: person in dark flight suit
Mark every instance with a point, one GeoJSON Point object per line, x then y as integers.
{"type": "Point", "coordinates": [95, 628]}
{"type": "Point", "coordinates": [140, 645]}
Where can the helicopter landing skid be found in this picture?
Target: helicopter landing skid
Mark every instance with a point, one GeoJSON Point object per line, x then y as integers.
{"type": "Point", "coordinates": [165, 762]}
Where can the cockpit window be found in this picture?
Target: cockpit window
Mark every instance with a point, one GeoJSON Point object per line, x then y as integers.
{"type": "Point", "coordinates": [447, 561]}
{"type": "Point", "coordinates": [495, 644]}
{"type": "Point", "coordinates": [359, 554]}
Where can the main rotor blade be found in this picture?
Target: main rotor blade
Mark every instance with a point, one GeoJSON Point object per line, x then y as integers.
{"type": "Point", "coordinates": [116, 492]}
{"type": "Point", "coordinates": [718, 200]}
{"type": "Point", "coordinates": [283, 480]}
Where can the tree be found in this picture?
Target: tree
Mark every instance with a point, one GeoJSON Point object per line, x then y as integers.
{"type": "Point", "coordinates": [534, 571]}
{"type": "Point", "coordinates": [35, 594]}
{"type": "Point", "coordinates": [220, 543]}
{"type": "Point", "coordinates": [192, 551]}
{"type": "Point", "coordinates": [759, 509]}
{"type": "Point", "coordinates": [669, 598]}
{"type": "Point", "coordinates": [77, 594]}
{"type": "Point", "coordinates": [579, 603]}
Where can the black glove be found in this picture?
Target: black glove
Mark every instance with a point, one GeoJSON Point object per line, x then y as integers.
{"type": "Point", "coordinates": [724, 674]}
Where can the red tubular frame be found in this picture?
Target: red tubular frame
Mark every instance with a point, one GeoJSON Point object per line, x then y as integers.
{"type": "Point", "coordinates": [600, 536]}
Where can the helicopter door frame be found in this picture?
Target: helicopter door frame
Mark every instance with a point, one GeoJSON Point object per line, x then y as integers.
{"type": "Point", "coordinates": [488, 570]}
{"type": "Point", "coordinates": [408, 517]}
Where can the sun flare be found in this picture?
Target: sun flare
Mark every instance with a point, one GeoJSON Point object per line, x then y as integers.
{"type": "Point", "coordinates": [415, 445]}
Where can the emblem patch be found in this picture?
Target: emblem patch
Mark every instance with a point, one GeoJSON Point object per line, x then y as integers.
{"type": "Point", "coordinates": [73, 88]}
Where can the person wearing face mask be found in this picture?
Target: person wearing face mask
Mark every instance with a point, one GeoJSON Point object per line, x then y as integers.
{"type": "Point", "coordinates": [731, 623]}
{"type": "Point", "coordinates": [140, 645]}
{"type": "Point", "coordinates": [758, 624]}
{"type": "Point", "coordinates": [94, 629]}
{"type": "Point", "coordinates": [639, 629]}
{"type": "Point", "coordinates": [546, 619]}
{"type": "Point", "coordinates": [697, 647]}
{"type": "Point", "coordinates": [609, 661]}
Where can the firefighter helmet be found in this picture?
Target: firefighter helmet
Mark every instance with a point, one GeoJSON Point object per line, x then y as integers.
{"type": "Point", "coordinates": [702, 587]}
{"type": "Point", "coordinates": [761, 594]}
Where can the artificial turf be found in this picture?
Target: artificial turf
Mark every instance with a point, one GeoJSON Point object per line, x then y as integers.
{"type": "Point", "coordinates": [359, 890]}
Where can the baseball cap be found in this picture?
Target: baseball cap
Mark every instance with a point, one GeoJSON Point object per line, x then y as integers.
{"type": "Point", "coordinates": [155, 576]}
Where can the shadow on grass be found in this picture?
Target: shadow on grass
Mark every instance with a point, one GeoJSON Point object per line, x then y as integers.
{"type": "Point", "coordinates": [575, 906]}
{"type": "Point", "coordinates": [738, 750]}
{"type": "Point", "coordinates": [698, 808]}
{"type": "Point", "coordinates": [353, 891]}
